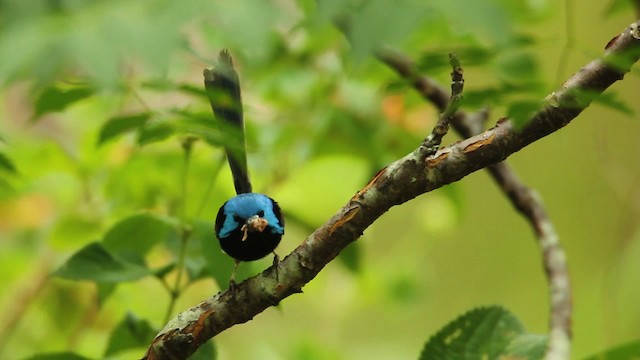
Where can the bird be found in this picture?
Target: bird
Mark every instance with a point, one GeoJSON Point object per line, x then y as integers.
{"type": "Point", "coordinates": [250, 225]}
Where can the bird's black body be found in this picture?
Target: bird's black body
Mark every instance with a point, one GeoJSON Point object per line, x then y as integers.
{"type": "Point", "coordinates": [256, 246]}
{"type": "Point", "coordinates": [250, 225]}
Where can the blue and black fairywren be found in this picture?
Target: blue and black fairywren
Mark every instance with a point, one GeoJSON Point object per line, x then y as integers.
{"type": "Point", "coordinates": [250, 225]}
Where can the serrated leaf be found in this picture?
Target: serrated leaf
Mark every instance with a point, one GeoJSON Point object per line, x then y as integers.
{"type": "Point", "coordinates": [130, 333]}
{"type": "Point", "coordinates": [527, 346]}
{"type": "Point", "coordinates": [134, 236]}
{"type": "Point", "coordinates": [119, 125]}
{"type": "Point", "coordinates": [6, 164]}
{"type": "Point", "coordinates": [482, 333]}
{"type": "Point", "coordinates": [95, 263]}
{"type": "Point", "coordinates": [521, 111]}
{"type": "Point", "coordinates": [54, 99]}
{"type": "Point", "coordinates": [58, 356]}
{"type": "Point", "coordinates": [155, 132]}
{"type": "Point", "coordinates": [630, 350]}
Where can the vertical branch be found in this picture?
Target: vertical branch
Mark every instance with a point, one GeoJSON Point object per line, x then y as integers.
{"type": "Point", "coordinates": [528, 203]}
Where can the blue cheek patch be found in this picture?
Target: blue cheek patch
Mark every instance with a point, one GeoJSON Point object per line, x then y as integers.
{"type": "Point", "coordinates": [245, 206]}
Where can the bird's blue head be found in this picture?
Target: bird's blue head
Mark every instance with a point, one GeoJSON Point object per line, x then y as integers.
{"type": "Point", "coordinates": [245, 206]}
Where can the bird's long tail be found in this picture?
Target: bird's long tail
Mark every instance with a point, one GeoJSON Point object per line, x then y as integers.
{"type": "Point", "coordinates": [223, 88]}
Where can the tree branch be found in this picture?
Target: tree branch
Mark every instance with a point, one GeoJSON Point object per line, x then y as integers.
{"type": "Point", "coordinates": [403, 180]}
{"type": "Point", "coordinates": [523, 198]}
{"type": "Point", "coordinates": [433, 141]}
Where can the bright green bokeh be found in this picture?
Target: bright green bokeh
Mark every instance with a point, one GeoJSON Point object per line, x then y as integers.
{"type": "Point", "coordinates": [322, 117]}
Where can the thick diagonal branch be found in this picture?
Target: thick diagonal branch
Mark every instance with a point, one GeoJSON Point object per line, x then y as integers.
{"type": "Point", "coordinates": [399, 182]}
{"type": "Point", "coordinates": [523, 198]}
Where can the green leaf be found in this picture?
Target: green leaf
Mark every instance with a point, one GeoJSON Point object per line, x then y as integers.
{"type": "Point", "coordinates": [207, 351]}
{"type": "Point", "coordinates": [164, 270]}
{"type": "Point", "coordinates": [6, 164]}
{"type": "Point", "coordinates": [104, 291]}
{"type": "Point", "coordinates": [483, 333]}
{"type": "Point", "coordinates": [134, 236]}
{"type": "Point", "coordinates": [119, 125]}
{"type": "Point", "coordinates": [630, 350]}
{"type": "Point", "coordinates": [482, 19]}
{"type": "Point", "coordinates": [611, 101]}
{"type": "Point", "coordinates": [55, 98]}
{"type": "Point", "coordinates": [608, 99]}
{"type": "Point", "coordinates": [383, 21]}
{"type": "Point", "coordinates": [438, 59]}
{"type": "Point", "coordinates": [617, 7]}
{"type": "Point", "coordinates": [483, 97]}
{"type": "Point", "coordinates": [351, 257]}
{"type": "Point", "coordinates": [218, 264]}
{"type": "Point", "coordinates": [517, 66]}
{"type": "Point", "coordinates": [155, 132]}
{"type": "Point", "coordinates": [521, 111]}
{"type": "Point", "coordinates": [527, 346]}
{"type": "Point", "coordinates": [210, 129]}
{"type": "Point", "coordinates": [194, 260]}
{"type": "Point", "coordinates": [130, 333]}
{"type": "Point", "coordinates": [58, 356]}
{"type": "Point", "coordinates": [95, 263]}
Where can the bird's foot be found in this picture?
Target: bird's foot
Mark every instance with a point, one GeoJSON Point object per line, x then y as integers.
{"type": "Point", "coordinates": [232, 285]}
{"type": "Point", "coordinates": [276, 263]}
{"type": "Point", "coordinates": [232, 281]}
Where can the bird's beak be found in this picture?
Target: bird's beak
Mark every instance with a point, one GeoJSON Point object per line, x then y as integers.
{"type": "Point", "coordinates": [253, 224]}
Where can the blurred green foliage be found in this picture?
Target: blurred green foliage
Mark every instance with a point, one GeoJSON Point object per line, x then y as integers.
{"type": "Point", "coordinates": [111, 174]}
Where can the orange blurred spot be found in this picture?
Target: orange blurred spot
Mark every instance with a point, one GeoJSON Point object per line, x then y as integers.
{"type": "Point", "coordinates": [29, 211]}
{"type": "Point", "coordinates": [393, 107]}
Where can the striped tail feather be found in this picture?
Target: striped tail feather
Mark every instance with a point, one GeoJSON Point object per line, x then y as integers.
{"type": "Point", "coordinates": [223, 88]}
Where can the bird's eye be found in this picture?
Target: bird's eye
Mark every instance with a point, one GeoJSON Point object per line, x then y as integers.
{"type": "Point", "coordinates": [260, 213]}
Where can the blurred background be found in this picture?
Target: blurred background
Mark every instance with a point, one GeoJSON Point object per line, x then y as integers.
{"type": "Point", "coordinates": [99, 97]}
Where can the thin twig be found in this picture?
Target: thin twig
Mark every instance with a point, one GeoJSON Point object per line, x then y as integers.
{"type": "Point", "coordinates": [569, 41]}
{"type": "Point", "coordinates": [526, 201]}
{"type": "Point", "coordinates": [185, 230]}
{"type": "Point", "coordinates": [432, 142]}
{"type": "Point", "coordinates": [212, 179]}
{"type": "Point", "coordinates": [396, 184]}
